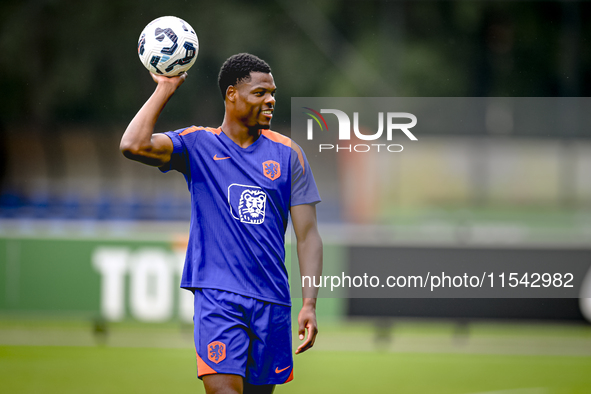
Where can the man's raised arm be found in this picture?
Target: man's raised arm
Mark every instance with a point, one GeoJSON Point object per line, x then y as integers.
{"type": "Point", "coordinates": [138, 142]}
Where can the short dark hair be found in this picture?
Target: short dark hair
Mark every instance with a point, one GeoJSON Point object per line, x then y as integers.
{"type": "Point", "coordinates": [237, 68]}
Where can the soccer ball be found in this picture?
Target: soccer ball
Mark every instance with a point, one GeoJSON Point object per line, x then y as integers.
{"type": "Point", "coordinates": [168, 46]}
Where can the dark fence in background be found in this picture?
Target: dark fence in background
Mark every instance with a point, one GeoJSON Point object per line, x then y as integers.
{"type": "Point", "coordinates": [381, 261]}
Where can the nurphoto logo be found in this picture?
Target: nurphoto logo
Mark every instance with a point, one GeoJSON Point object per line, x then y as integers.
{"type": "Point", "coordinates": [392, 125]}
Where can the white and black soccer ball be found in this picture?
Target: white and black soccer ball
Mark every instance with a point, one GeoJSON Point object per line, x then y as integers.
{"type": "Point", "coordinates": [168, 46]}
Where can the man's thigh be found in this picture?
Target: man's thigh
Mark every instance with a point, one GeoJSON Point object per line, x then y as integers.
{"type": "Point", "coordinates": [223, 383]}
{"type": "Point", "coordinates": [221, 333]}
{"type": "Point", "coordinates": [270, 356]}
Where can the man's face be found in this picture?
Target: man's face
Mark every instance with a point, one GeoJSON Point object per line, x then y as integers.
{"type": "Point", "coordinates": [255, 100]}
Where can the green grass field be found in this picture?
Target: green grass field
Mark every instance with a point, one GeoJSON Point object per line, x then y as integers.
{"type": "Point", "coordinates": [419, 357]}
{"type": "Point", "coordinates": [39, 369]}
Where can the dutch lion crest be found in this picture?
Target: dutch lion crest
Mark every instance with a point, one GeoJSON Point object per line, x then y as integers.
{"type": "Point", "coordinates": [247, 203]}
{"type": "Point", "coordinates": [251, 207]}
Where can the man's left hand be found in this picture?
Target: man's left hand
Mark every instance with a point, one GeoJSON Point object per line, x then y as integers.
{"type": "Point", "coordinates": [307, 322]}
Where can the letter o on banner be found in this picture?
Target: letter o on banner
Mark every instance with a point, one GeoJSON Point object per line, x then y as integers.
{"type": "Point", "coordinates": [585, 296]}
{"type": "Point", "coordinates": [111, 263]}
{"type": "Point", "coordinates": [151, 285]}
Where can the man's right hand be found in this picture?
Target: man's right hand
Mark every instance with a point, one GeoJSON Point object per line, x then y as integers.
{"type": "Point", "coordinates": [174, 82]}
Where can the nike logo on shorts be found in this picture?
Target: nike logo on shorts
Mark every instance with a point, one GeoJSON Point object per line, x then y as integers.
{"type": "Point", "coordinates": [277, 370]}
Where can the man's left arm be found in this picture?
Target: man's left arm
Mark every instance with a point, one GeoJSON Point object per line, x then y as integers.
{"type": "Point", "coordinates": [309, 248]}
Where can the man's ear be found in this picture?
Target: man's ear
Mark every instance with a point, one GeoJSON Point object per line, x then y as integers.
{"type": "Point", "coordinates": [231, 93]}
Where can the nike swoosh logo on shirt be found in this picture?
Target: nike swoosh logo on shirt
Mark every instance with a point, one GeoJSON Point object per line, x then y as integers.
{"type": "Point", "coordinates": [277, 370]}
{"type": "Point", "coordinates": [220, 158]}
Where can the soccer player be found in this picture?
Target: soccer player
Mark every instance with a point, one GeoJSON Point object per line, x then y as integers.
{"type": "Point", "coordinates": [244, 180]}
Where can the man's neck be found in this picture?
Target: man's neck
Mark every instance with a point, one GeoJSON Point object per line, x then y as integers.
{"type": "Point", "coordinates": [241, 135]}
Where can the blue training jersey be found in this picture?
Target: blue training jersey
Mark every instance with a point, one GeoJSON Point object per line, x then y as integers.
{"type": "Point", "coordinates": [240, 201]}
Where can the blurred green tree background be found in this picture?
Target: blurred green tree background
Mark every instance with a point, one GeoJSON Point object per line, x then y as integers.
{"type": "Point", "coordinates": [68, 61]}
